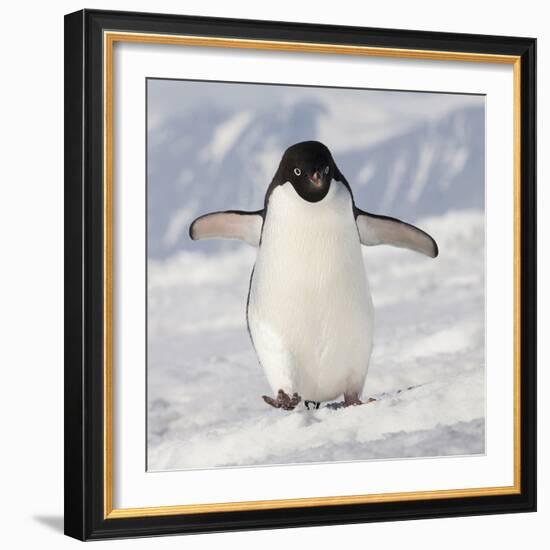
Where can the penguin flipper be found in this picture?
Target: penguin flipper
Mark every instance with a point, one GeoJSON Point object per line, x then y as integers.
{"type": "Point", "coordinates": [232, 224]}
{"type": "Point", "coordinates": [375, 230]}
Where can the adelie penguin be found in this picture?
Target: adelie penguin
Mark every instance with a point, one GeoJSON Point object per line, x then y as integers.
{"type": "Point", "coordinates": [309, 309]}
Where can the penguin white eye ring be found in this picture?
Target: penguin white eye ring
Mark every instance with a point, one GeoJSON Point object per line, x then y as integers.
{"type": "Point", "coordinates": [309, 309]}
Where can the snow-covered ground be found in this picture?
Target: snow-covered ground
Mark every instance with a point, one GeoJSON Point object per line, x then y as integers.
{"type": "Point", "coordinates": [204, 382]}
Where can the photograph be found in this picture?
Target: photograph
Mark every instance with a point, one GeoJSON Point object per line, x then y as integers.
{"type": "Point", "coordinates": [315, 274]}
{"type": "Point", "coordinates": [300, 274]}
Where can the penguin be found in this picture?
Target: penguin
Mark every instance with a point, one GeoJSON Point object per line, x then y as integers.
{"type": "Point", "coordinates": [309, 310]}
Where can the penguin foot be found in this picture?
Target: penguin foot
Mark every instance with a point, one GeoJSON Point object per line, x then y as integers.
{"type": "Point", "coordinates": [352, 399]}
{"type": "Point", "coordinates": [283, 400]}
{"type": "Point", "coordinates": [342, 404]}
{"type": "Point", "coordinates": [314, 404]}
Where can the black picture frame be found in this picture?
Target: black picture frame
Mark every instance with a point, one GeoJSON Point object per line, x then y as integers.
{"type": "Point", "coordinates": [84, 282]}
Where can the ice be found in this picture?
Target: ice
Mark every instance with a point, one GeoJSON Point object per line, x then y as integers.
{"type": "Point", "coordinates": [205, 384]}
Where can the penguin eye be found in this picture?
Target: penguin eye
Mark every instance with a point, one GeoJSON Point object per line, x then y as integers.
{"type": "Point", "coordinates": [326, 170]}
{"type": "Point", "coordinates": [297, 171]}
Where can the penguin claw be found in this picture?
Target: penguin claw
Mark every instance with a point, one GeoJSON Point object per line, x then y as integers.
{"type": "Point", "coordinates": [342, 404]}
{"type": "Point", "coordinates": [352, 399]}
{"type": "Point", "coordinates": [271, 401]}
{"type": "Point", "coordinates": [283, 400]}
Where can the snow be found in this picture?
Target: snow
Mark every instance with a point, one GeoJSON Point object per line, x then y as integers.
{"type": "Point", "coordinates": [397, 174]}
{"type": "Point", "coordinates": [365, 174]}
{"type": "Point", "coordinates": [425, 159]}
{"type": "Point", "coordinates": [205, 385]}
{"type": "Point", "coordinates": [226, 135]}
{"type": "Point", "coordinates": [178, 225]}
{"type": "Point", "coordinates": [215, 146]}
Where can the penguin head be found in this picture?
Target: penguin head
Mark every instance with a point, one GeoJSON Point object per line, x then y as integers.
{"type": "Point", "coordinates": [310, 168]}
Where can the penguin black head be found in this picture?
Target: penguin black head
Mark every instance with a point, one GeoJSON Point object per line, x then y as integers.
{"type": "Point", "coordinates": [310, 168]}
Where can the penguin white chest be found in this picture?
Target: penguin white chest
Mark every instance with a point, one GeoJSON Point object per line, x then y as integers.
{"type": "Point", "coordinates": [310, 311]}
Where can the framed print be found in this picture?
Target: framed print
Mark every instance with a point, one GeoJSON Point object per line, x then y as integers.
{"type": "Point", "coordinates": [300, 274]}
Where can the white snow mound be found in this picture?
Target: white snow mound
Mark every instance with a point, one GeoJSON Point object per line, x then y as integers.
{"type": "Point", "coordinates": [205, 385]}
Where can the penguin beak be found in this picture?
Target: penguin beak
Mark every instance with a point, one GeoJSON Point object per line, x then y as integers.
{"type": "Point", "coordinates": [316, 179]}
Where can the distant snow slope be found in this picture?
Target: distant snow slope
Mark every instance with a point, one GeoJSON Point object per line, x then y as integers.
{"type": "Point", "coordinates": [204, 382]}
{"type": "Point", "coordinates": [213, 157]}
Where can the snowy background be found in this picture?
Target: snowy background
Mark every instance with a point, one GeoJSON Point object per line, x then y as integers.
{"type": "Point", "coordinates": [416, 156]}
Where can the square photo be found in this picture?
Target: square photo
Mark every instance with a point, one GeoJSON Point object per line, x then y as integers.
{"type": "Point", "coordinates": [315, 274]}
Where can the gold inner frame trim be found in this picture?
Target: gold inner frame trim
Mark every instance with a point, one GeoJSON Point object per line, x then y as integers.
{"type": "Point", "coordinates": [109, 39]}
